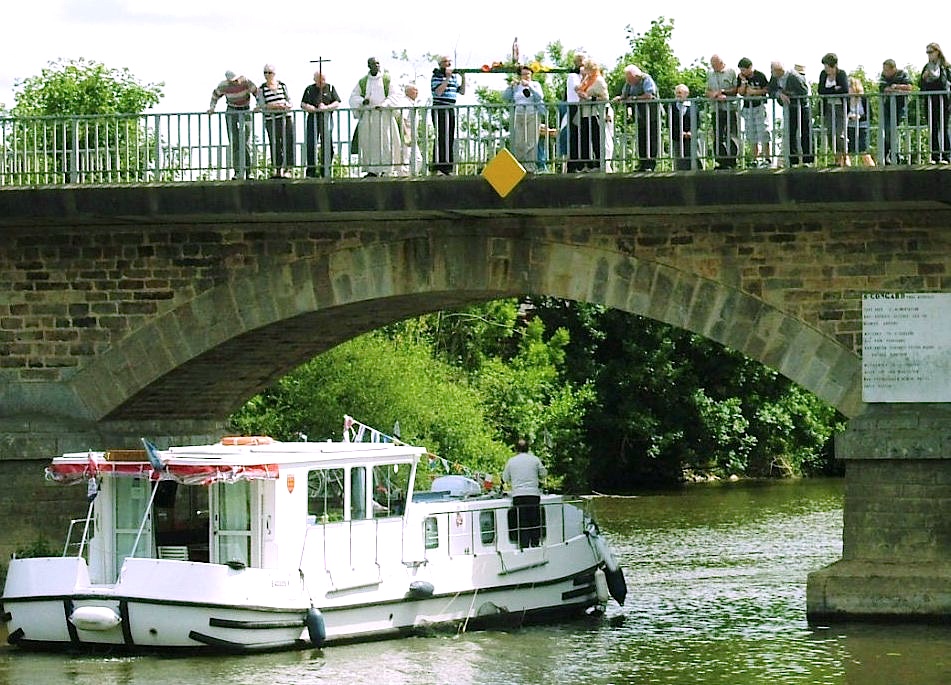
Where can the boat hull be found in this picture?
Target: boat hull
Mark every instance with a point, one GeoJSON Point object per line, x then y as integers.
{"type": "Point", "coordinates": [174, 623]}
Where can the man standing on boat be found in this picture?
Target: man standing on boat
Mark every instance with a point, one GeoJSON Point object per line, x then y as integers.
{"type": "Point", "coordinates": [524, 473]}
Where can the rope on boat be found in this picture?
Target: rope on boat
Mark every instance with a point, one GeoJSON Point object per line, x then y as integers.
{"type": "Point", "coordinates": [465, 624]}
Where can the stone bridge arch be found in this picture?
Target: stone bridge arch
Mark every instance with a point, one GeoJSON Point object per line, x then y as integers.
{"type": "Point", "coordinates": [205, 357]}
{"type": "Point", "coordinates": [123, 310]}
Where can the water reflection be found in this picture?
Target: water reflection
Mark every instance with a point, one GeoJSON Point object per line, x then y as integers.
{"type": "Point", "coordinates": [717, 595]}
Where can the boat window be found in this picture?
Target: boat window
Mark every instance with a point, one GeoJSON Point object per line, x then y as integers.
{"type": "Point", "coordinates": [487, 526]}
{"type": "Point", "coordinates": [390, 485]}
{"type": "Point", "coordinates": [181, 518]}
{"type": "Point", "coordinates": [431, 532]}
{"type": "Point", "coordinates": [325, 495]}
{"type": "Point", "coordinates": [358, 493]}
{"type": "Point", "coordinates": [234, 522]}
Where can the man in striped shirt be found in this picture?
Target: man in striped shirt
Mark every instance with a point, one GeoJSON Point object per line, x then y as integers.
{"type": "Point", "coordinates": [446, 86]}
{"type": "Point", "coordinates": [237, 91]}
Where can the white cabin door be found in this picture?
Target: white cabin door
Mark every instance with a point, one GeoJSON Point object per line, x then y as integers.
{"type": "Point", "coordinates": [131, 498]}
{"type": "Point", "coordinates": [234, 510]}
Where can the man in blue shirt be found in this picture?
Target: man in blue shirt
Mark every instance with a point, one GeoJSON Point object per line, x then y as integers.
{"type": "Point", "coordinates": [446, 87]}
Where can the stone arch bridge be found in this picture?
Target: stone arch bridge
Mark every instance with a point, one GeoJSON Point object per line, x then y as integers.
{"type": "Point", "coordinates": [157, 310]}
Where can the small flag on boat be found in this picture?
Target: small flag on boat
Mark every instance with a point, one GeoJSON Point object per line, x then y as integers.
{"type": "Point", "coordinates": [152, 452]}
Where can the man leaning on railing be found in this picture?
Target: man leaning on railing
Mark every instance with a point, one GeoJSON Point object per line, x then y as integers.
{"type": "Point", "coordinates": [237, 91]}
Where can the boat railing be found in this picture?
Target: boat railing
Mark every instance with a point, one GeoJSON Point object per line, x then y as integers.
{"type": "Point", "coordinates": [553, 523]}
{"type": "Point", "coordinates": [79, 545]}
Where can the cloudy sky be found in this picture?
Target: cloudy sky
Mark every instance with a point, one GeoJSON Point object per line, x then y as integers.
{"type": "Point", "coordinates": [188, 44]}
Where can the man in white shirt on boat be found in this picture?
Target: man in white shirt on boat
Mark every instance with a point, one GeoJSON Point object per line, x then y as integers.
{"type": "Point", "coordinates": [524, 473]}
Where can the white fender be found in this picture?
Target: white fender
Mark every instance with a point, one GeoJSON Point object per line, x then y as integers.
{"type": "Point", "coordinates": [94, 618]}
{"type": "Point", "coordinates": [601, 586]}
{"type": "Point", "coordinates": [604, 551]}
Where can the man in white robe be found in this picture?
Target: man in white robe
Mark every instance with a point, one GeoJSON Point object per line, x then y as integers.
{"type": "Point", "coordinates": [378, 134]}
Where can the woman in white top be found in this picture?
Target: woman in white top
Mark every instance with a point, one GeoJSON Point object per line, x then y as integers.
{"type": "Point", "coordinates": [592, 96]}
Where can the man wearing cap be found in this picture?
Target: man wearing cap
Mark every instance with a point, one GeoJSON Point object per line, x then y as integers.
{"type": "Point", "coordinates": [752, 87]}
{"type": "Point", "coordinates": [237, 91]}
{"type": "Point", "coordinates": [640, 91]}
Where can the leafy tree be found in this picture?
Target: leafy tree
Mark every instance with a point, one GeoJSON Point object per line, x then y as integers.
{"type": "Point", "coordinates": [519, 372]}
{"type": "Point", "coordinates": [379, 381]}
{"type": "Point", "coordinates": [83, 116]}
{"type": "Point", "coordinates": [528, 396]}
{"type": "Point", "coordinates": [651, 51]}
{"type": "Point", "coordinates": [669, 403]}
{"type": "Point", "coordinates": [74, 87]}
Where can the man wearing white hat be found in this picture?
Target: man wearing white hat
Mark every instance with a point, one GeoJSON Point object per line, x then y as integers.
{"type": "Point", "coordinates": [237, 91]}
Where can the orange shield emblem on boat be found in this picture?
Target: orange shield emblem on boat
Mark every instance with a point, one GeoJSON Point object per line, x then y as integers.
{"type": "Point", "coordinates": [290, 483]}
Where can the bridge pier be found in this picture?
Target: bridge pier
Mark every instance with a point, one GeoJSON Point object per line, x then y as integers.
{"type": "Point", "coordinates": [896, 534]}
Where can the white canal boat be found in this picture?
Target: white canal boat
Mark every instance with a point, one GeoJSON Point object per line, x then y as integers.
{"type": "Point", "coordinates": [252, 545]}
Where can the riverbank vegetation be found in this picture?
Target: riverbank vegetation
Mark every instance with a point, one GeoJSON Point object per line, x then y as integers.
{"type": "Point", "coordinates": [611, 401]}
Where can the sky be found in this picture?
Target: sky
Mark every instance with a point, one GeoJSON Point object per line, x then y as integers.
{"type": "Point", "coordinates": [189, 44]}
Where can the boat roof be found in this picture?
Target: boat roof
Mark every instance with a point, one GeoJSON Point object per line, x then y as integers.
{"type": "Point", "coordinates": [258, 458]}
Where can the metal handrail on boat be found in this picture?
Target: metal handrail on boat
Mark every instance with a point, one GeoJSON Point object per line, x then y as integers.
{"type": "Point", "coordinates": [504, 505]}
{"type": "Point", "coordinates": [69, 536]}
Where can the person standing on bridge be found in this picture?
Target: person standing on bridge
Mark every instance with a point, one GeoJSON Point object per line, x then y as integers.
{"type": "Point", "coordinates": [722, 87]}
{"type": "Point", "coordinates": [935, 79]}
{"type": "Point", "coordinates": [790, 88]}
{"type": "Point", "coordinates": [319, 100]}
{"type": "Point", "coordinates": [529, 110]}
{"type": "Point", "coordinates": [524, 473]}
{"type": "Point", "coordinates": [237, 91]}
{"type": "Point", "coordinates": [276, 103]}
{"type": "Point", "coordinates": [894, 86]}
{"type": "Point", "coordinates": [378, 134]}
{"type": "Point", "coordinates": [640, 95]}
{"type": "Point", "coordinates": [446, 87]}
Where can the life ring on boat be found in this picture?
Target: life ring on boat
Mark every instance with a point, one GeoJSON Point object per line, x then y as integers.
{"type": "Point", "coordinates": [232, 440]}
{"type": "Point", "coordinates": [316, 630]}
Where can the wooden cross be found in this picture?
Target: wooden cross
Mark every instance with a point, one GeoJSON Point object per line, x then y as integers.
{"type": "Point", "coordinates": [320, 64]}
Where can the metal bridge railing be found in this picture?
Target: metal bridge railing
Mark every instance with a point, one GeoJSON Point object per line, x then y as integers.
{"type": "Point", "coordinates": [391, 141]}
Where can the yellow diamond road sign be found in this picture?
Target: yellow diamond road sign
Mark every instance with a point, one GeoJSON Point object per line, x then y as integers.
{"type": "Point", "coordinates": [504, 172]}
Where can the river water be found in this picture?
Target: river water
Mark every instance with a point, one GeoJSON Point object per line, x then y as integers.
{"type": "Point", "coordinates": [717, 582]}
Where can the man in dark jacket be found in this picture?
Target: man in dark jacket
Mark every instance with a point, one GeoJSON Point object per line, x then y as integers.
{"type": "Point", "coordinates": [789, 87]}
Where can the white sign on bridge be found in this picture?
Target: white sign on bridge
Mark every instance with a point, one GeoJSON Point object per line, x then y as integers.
{"type": "Point", "coordinates": [906, 347]}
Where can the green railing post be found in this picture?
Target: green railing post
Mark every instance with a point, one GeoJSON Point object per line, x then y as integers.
{"type": "Point", "coordinates": [74, 152]}
{"type": "Point", "coordinates": [158, 149]}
